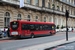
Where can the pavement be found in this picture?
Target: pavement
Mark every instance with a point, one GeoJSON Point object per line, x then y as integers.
{"type": "Point", "coordinates": [4, 38]}
{"type": "Point", "coordinates": [69, 46]}
{"type": "Point", "coordinates": [48, 45]}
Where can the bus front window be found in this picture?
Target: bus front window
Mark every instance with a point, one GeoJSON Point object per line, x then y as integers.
{"type": "Point", "coordinates": [53, 27]}
{"type": "Point", "coordinates": [14, 25]}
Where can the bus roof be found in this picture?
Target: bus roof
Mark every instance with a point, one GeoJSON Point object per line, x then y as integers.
{"type": "Point", "coordinates": [34, 22]}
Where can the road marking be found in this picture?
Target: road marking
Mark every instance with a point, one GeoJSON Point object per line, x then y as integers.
{"type": "Point", "coordinates": [58, 47]}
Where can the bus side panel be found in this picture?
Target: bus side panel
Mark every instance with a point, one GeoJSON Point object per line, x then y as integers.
{"type": "Point", "coordinates": [40, 32]}
{"type": "Point", "coordinates": [25, 32]}
{"type": "Point", "coordinates": [52, 31]}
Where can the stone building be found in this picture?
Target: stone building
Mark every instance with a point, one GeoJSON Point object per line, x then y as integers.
{"type": "Point", "coordinates": [52, 11]}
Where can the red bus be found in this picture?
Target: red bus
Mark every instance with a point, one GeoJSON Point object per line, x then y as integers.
{"type": "Point", "coordinates": [31, 29]}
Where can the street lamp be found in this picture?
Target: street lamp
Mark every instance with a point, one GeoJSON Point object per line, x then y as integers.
{"type": "Point", "coordinates": [67, 15]}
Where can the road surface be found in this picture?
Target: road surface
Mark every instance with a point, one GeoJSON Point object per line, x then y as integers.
{"type": "Point", "coordinates": [16, 44]}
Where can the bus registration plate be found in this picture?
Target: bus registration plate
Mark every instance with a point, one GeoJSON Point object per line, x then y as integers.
{"type": "Point", "coordinates": [14, 33]}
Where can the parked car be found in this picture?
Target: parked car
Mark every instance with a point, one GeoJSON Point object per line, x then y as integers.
{"type": "Point", "coordinates": [57, 30]}
{"type": "Point", "coordinates": [70, 29]}
{"type": "Point", "coordinates": [63, 30]}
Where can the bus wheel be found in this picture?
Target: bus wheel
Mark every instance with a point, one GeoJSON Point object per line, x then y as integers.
{"type": "Point", "coordinates": [32, 35]}
{"type": "Point", "coordinates": [50, 33]}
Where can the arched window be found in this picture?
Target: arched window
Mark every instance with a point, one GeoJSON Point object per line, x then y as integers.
{"type": "Point", "coordinates": [19, 17]}
{"type": "Point", "coordinates": [50, 20]}
{"type": "Point", "coordinates": [36, 19]}
{"type": "Point", "coordinates": [55, 21]}
{"type": "Point", "coordinates": [74, 23]}
{"type": "Point", "coordinates": [63, 23]}
{"type": "Point", "coordinates": [45, 19]}
{"type": "Point", "coordinates": [60, 21]}
{"type": "Point", "coordinates": [28, 18]}
{"type": "Point", "coordinates": [7, 19]}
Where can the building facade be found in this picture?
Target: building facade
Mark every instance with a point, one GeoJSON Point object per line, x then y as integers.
{"type": "Point", "coordinates": [52, 11]}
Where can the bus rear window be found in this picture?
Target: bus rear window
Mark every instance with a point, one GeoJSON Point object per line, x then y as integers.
{"type": "Point", "coordinates": [14, 25]}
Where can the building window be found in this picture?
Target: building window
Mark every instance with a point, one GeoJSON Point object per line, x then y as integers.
{"type": "Point", "coordinates": [54, 7]}
{"type": "Point", "coordinates": [7, 19]}
{"type": "Point", "coordinates": [74, 23]}
{"type": "Point", "coordinates": [44, 19]}
{"type": "Point", "coordinates": [18, 0]}
{"type": "Point", "coordinates": [43, 3]}
{"type": "Point", "coordinates": [69, 1]}
{"type": "Point", "coordinates": [74, 12]}
{"type": "Point", "coordinates": [55, 21]}
{"type": "Point", "coordinates": [74, 2]}
{"type": "Point", "coordinates": [52, 1]}
{"type": "Point", "coordinates": [60, 22]}
{"type": "Point", "coordinates": [50, 19]}
{"type": "Point", "coordinates": [68, 8]}
{"type": "Point", "coordinates": [48, 5]}
{"type": "Point", "coordinates": [36, 19]}
{"type": "Point", "coordinates": [57, 2]}
{"type": "Point", "coordinates": [29, 1]}
{"type": "Point", "coordinates": [28, 18]}
{"type": "Point", "coordinates": [65, 0]}
{"type": "Point", "coordinates": [71, 11]}
{"type": "Point", "coordinates": [63, 22]}
{"type": "Point", "coordinates": [19, 17]}
{"type": "Point", "coordinates": [61, 7]}
{"type": "Point", "coordinates": [65, 9]}
{"type": "Point", "coordinates": [36, 2]}
{"type": "Point", "coordinates": [57, 6]}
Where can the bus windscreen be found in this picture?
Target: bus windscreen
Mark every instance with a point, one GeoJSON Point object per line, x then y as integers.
{"type": "Point", "coordinates": [53, 27]}
{"type": "Point", "coordinates": [14, 25]}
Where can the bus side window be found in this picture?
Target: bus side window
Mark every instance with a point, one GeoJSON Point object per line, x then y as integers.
{"type": "Point", "coordinates": [46, 27]}
{"type": "Point", "coordinates": [32, 27]}
{"type": "Point", "coordinates": [24, 26]}
{"type": "Point", "coordinates": [37, 27]}
{"type": "Point", "coordinates": [43, 27]}
{"type": "Point", "coordinates": [50, 27]}
{"type": "Point", "coordinates": [40, 26]}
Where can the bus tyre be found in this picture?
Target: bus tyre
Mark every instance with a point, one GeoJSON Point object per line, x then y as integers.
{"type": "Point", "coordinates": [50, 33]}
{"type": "Point", "coordinates": [32, 35]}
